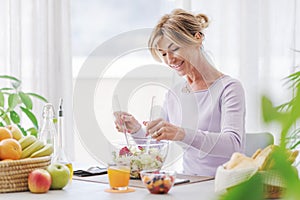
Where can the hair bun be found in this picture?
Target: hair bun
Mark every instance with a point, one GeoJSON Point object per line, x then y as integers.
{"type": "Point", "coordinates": [203, 20]}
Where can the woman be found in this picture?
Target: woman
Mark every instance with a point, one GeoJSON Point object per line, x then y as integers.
{"type": "Point", "coordinates": [206, 112]}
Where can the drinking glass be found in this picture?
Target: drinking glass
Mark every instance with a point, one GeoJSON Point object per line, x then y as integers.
{"type": "Point", "coordinates": [118, 175]}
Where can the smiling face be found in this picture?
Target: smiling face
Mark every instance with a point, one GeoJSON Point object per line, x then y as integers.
{"type": "Point", "coordinates": [178, 58]}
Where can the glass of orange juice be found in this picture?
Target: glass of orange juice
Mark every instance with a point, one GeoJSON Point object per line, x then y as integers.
{"type": "Point", "coordinates": [118, 175]}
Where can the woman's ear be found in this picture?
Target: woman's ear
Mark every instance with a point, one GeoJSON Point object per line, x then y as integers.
{"type": "Point", "coordinates": [199, 36]}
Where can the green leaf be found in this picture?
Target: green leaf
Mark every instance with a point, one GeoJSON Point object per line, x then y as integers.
{"type": "Point", "coordinates": [22, 129]}
{"type": "Point", "coordinates": [2, 113]}
{"type": "Point", "coordinates": [31, 116]}
{"type": "Point", "coordinates": [6, 89]}
{"type": "Point", "coordinates": [285, 106]}
{"type": "Point", "coordinates": [1, 124]}
{"type": "Point", "coordinates": [1, 99]}
{"type": "Point", "coordinates": [38, 96]}
{"type": "Point", "coordinates": [295, 145]}
{"type": "Point", "coordinates": [6, 119]}
{"type": "Point", "coordinates": [296, 105]}
{"type": "Point", "coordinates": [14, 117]}
{"type": "Point", "coordinates": [294, 76]}
{"type": "Point", "coordinates": [33, 131]}
{"type": "Point", "coordinates": [13, 100]}
{"type": "Point", "coordinates": [293, 80]}
{"type": "Point", "coordinates": [26, 100]}
{"type": "Point", "coordinates": [16, 82]}
{"type": "Point", "coordinates": [268, 111]}
{"type": "Point", "coordinates": [7, 93]}
{"type": "Point", "coordinates": [10, 77]}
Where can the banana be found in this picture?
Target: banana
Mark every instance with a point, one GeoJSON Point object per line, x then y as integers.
{"type": "Point", "coordinates": [37, 145]}
{"type": "Point", "coordinates": [47, 150]}
{"type": "Point", "coordinates": [27, 141]}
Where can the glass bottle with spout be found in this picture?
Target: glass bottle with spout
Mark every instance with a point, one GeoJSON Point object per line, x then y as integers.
{"type": "Point", "coordinates": [61, 156]}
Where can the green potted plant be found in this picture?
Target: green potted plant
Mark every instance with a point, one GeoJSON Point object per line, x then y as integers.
{"type": "Point", "coordinates": [286, 115]}
{"type": "Point", "coordinates": [13, 101]}
{"type": "Point", "coordinates": [292, 134]}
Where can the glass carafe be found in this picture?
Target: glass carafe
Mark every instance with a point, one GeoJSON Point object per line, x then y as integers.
{"type": "Point", "coordinates": [47, 133]}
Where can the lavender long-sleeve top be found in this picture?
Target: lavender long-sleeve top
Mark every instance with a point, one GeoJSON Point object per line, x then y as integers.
{"type": "Point", "coordinates": [213, 120]}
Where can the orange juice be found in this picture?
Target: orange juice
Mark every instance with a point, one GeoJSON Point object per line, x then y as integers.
{"type": "Point", "coordinates": [118, 177]}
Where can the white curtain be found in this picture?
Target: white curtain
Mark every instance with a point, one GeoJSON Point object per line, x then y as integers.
{"type": "Point", "coordinates": [35, 47]}
{"type": "Point", "coordinates": [252, 40]}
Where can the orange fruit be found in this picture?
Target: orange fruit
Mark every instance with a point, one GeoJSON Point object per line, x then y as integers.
{"type": "Point", "coordinates": [5, 133]}
{"type": "Point", "coordinates": [10, 149]}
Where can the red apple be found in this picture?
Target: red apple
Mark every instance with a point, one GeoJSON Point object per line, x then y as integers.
{"type": "Point", "coordinates": [39, 181]}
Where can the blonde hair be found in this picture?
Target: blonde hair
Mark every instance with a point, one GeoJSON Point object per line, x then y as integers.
{"type": "Point", "coordinates": [180, 27]}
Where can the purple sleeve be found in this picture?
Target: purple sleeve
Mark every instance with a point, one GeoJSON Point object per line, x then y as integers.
{"type": "Point", "coordinates": [231, 137]}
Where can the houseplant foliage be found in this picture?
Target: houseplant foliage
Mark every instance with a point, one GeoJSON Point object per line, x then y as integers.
{"type": "Point", "coordinates": [13, 102]}
{"type": "Point", "coordinates": [286, 115]}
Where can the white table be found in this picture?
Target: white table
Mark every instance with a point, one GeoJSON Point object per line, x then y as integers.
{"type": "Point", "coordinates": [79, 190]}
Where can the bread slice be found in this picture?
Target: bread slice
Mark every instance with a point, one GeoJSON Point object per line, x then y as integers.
{"type": "Point", "coordinates": [292, 155]}
{"type": "Point", "coordinates": [262, 159]}
{"type": "Point", "coordinates": [239, 161]}
{"type": "Point", "coordinates": [257, 152]}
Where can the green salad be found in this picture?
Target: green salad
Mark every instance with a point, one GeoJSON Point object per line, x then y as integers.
{"type": "Point", "coordinates": [139, 159]}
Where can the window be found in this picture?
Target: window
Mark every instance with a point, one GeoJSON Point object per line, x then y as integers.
{"type": "Point", "coordinates": [96, 21]}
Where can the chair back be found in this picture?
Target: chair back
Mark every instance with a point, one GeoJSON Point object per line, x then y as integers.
{"type": "Point", "coordinates": [256, 141]}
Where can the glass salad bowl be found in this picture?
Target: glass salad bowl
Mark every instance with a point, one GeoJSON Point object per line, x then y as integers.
{"type": "Point", "coordinates": [143, 154]}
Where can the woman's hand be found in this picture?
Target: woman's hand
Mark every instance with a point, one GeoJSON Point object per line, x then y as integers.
{"type": "Point", "coordinates": [159, 129]}
{"type": "Point", "coordinates": [126, 121]}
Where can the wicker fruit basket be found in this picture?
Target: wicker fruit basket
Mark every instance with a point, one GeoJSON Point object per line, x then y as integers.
{"type": "Point", "coordinates": [14, 174]}
{"type": "Point", "coordinates": [273, 192]}
{"type": "Point", "coordinates": [274, 185]}
{"type": "Point", "coordinates": [240, 168]}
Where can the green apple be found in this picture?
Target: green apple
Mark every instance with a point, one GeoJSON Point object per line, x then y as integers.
{"type": "Point", "coordinates": [60, 175]}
